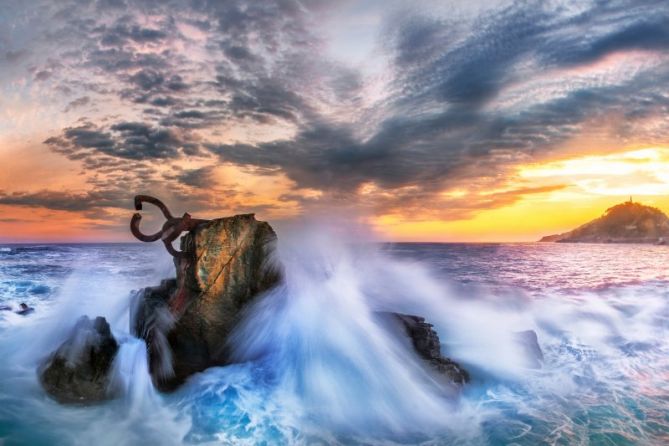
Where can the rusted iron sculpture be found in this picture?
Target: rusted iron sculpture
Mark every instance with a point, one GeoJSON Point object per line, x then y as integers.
{"type": "Point", "coordinates": [172, 228]}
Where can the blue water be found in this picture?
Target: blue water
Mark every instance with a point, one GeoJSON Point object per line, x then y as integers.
{"type": "Point", "coordinates": [324, 372]}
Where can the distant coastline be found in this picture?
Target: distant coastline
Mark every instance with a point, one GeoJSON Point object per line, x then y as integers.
{"type": "Point", "coordinates": [627, 222]}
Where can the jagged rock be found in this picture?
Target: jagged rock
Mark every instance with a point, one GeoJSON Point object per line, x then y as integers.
{"type": "Point", "coordinates": [425, 342]}
{"type": "Point", "coordinates": [229, 263]}
{"type": "Point", "coordinates": [25, 310]}
{"type": "Point", "coordinates": [152, 320]}
{"type": "Point", "coordinates": [78, 371]}
{"type": "Point", "coordinates": [529, 343]}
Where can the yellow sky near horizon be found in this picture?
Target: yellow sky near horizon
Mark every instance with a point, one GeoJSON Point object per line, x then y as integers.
{"type": "Point", "coordinates": [590, 185]}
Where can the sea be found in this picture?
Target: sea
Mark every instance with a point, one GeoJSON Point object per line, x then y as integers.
{"type": "Point", "coordinates": [316, 366]}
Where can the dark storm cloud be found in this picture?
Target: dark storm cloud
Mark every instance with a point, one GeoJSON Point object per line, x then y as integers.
{"type": "Point", "coordinates": [648, 33]}
{"type": "Point", "coordinates": [164, 101]}
{"type": "Point", "coordinates": [127, 140]}
{"type": "Point", "coordinates": [265, 101]}
{"type": "Point", "coordinates": [147, 79]}
{"type": "Point", "coordinates": [194, 119]}
{"type": "Point", "coordinates": [121, 33]}
{"type": "Point", "coordinates": [79, 102]}
{"type": "Point", "coordinates": [67, 201]}
{"type": "Point", "coordinates": [176, 83]}
{"type": "Point", "coordinates": [113, 60]}
{"type": "Point", "coordinates": [42, 75]}
{"type": "Point", "coordinates": [88, 137]}
{"type": "Point", "coordinates": [141, 141]}
{"type": "Point", "coordinates": [201, 178]}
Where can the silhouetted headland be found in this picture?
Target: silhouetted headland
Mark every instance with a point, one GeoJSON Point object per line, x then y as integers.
{"type": "Point", "coordinates": [627, 222]}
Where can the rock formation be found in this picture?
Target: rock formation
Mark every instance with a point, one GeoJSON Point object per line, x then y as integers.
{"type": "Point", "coordinates": [78, 371]}
{"type": "Point", "coordinates": [627, 222]}
{"type": "Point", "coordinates": [228, 263]}
{"type": "Point", "coordinates": [223, 265]}
{"type": "Point", "coordinates": [425, 342]}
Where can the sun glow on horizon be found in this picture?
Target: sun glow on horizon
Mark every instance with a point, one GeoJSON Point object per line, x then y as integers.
{"type": "Point", "coordinates": [550, 197]}
{"type": "Point", "coordinates": [532, 201]}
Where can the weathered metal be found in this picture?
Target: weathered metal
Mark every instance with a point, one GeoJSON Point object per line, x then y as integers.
{"type": "Point", "coordinates": [171, 229]}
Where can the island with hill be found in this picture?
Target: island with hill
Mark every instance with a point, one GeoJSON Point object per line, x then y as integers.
{"type": "Point", "coordinates": [627, 222]}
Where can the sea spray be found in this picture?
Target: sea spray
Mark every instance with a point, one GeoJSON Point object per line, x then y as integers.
{"type": "Point", "coordinates": [603, 378]}
{"type": "Point", "coordinates": [130, 377]}
{"type": "Point", "coordinates": [334, 358]}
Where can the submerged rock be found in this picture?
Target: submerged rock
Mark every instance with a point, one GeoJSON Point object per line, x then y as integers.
{"type": "Point", "coordinates": [24, 309]}
{"type": "Point", "coordinates": [78, 371]}
{"type": "Point", "coordinates": [229, 262]}
{"type": "Point", "coordinates": [529, 343]}
{"type": "Point", "coordinates": [425, 342]}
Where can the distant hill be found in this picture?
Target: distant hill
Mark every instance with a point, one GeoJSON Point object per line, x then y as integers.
{"type": "Point", "coordinates": [627, 222]}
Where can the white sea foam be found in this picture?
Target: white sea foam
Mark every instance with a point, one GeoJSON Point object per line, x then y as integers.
{"type": "Point", "coordinates": [322, 368]}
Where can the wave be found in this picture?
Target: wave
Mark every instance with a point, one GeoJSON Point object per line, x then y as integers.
{"type": "Point", "coordinates": [317, 366]}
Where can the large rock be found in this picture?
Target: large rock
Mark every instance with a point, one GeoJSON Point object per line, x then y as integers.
{"type": "Point", "coordinates": [78, 372]}
{"type": "Point", "coordinates": [228, 263]}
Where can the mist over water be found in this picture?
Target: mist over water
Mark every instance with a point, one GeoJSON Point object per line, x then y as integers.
{"type": "Point", "coordinates": [319, 366]}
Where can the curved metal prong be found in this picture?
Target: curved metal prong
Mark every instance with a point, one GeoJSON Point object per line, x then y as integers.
{"type": "Point", "coordinates": [134, 228]}
{"type": "Point", "coordinates": [154, 201]}
{"type": "Point", "coordinates": [172, 228]}
{"type": "Point", "coordinates": [171, 250]}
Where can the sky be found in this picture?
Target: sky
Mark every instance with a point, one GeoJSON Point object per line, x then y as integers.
{"type": "Point", "coordinates": [427, 121]}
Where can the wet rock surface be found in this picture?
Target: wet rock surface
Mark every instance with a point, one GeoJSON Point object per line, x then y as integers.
{"type": "Point", "coordinates": [425, 342]}
{"type": "Point", "coordinates": [152, 320]}
{"type": "Point", "coordinates": [78, 372]}
{"type": "Point", "coordinates": [229, 263]}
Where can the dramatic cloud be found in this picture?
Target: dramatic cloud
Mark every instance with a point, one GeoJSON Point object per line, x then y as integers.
{"type": "Point", "coordinates": [128, 140]}
{"type": "Point", "coordinates": [437, 121]}
{"type": "Point", "coordinates": [66, 201]}
{"type": "Point", "coordinates": [163, 94]}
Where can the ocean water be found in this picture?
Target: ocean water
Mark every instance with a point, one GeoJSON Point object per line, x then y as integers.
{"type": "Point", "coordinates": [316, 366]}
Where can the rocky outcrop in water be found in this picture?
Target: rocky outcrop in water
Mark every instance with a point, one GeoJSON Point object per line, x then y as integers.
{"type": "Point", "coordinates": [78, 372]}
{"type": "Point", "coordinates": [627, 222]}
{"type": "Point", "coordinates": [425, 342]}
{"type": "Point", "coordinates": [186, 322]}
{"type": "Point", "coordinates": [227, 263]}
